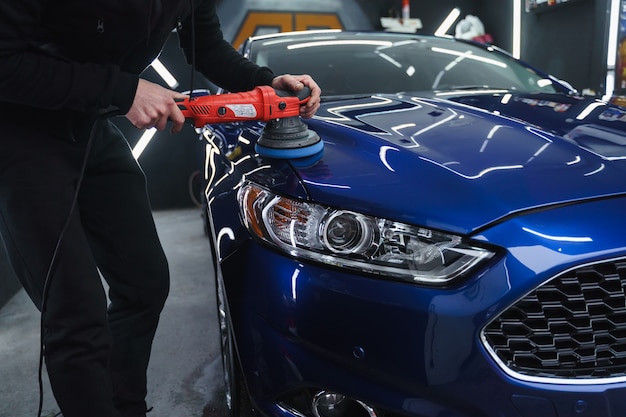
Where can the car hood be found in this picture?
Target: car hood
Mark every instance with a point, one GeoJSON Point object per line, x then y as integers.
{"type": "Point", "coordinates": [456, 167]}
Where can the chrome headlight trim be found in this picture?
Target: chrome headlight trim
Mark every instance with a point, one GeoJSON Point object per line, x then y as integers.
{"type": "Point", "coordinates": [356, 241]}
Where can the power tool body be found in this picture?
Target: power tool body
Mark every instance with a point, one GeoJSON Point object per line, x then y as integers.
{"type": "Point", "coordinates": [264, 103]}
{"type": "Point", "coordinates": [284, 136]}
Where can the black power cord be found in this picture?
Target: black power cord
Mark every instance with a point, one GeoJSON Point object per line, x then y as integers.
{"type": "Point", "coordinates": [193, 49]}
{"type": "Point", "coordinates": [102, 115]}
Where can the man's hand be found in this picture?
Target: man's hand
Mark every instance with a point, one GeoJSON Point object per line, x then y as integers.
{"type": "Point", "coordinates": [297, 83]}
{"type": "Point", "coordinates": [154, 106]}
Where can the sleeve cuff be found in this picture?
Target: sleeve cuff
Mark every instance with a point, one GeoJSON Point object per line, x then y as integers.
{"type": "Point", "coordinates": [124, 91]}
{"type": "Point", "coordinates": [264, 76]}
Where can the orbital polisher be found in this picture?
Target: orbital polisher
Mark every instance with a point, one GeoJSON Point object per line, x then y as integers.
{"type": "Point", "coordinates": [285, 135]}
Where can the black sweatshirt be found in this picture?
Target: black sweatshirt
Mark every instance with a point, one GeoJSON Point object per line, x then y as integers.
{"type": "Point", "coordinates": [82, 56]}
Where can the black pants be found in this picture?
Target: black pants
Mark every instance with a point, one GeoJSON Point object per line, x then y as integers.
{"type": "Point", "coordinates": [96, 354]}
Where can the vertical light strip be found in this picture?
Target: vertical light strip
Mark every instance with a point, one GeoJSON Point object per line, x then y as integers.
{"type": "Point", "coordinates": [611, 56]}
{"type": "Point", "coordinates": [516, 49]}
{"type": "Point", "coordinates": [144, 140]}
{"type": "Point", "coordinates": [613, 29]}
{"type": "Point", "coordinates": [448, 22]}
{"type": "Point", "coordinates": [164, 73]}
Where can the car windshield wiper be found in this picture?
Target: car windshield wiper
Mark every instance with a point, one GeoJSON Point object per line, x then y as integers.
{"type": "Point", "coordinates": [470, 87]}
{"type": "Point", "coordinates": [338, 97]}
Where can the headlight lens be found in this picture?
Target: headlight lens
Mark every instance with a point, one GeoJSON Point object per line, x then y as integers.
{"type": "Point", "coordinates": [345, 232]}
{"type": "Point", "coordinates": [352, 240]}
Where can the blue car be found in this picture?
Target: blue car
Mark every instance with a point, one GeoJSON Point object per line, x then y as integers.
{"type": "Point", "coordinates": [456, 249]}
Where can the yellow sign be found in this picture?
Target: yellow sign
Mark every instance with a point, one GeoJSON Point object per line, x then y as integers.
{"type": "Point", "coordinates": [270, 22]}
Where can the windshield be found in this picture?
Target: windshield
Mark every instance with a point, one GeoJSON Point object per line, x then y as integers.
{"type": "Point", "coordinates": [366, 64]}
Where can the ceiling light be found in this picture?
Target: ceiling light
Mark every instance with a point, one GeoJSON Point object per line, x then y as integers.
{"type": "Point", "coordinates": [164, 73]}
{"type": "Point", "coordinates": [143, 141]}
{"type": "Point", "coordinates": [448, 22]}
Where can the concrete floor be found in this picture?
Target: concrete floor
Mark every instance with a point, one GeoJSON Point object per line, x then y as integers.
{"type": "Point", "coordinates": [185, 374]}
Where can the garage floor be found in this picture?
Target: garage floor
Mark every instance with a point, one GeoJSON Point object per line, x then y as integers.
{"type": "Point", "coordinates": [185, 375]}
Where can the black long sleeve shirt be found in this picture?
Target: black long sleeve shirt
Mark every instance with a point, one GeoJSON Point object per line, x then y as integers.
{"type": "Point", "coordinates": [84, 56]}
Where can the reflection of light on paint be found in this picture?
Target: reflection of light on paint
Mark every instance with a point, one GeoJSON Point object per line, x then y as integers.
{"type": "Point", "coordinates": [225, 232]}
{"type": "Point", "coordinates": [292, 233]}
{"type": "Point", "coordinates": [383, 156]}
{"type": "Point", "coordinates": [466, 55]}
{"type": "Point", "coordinates": [398, 128]}
{"type": "Point", "coordinates": [316, 44]}
{"type": "Point", "coordinates": [587, 110]}
{"type": "Point", "coordinates": [320, 184]}
{"type": "Point", "coordinates": [294, 279]}
{"type": "Point", "coordinates": [493, 131]}
{"type": "Point", "coordinates": [389, 59]}
{"type": "Point", "coordinates": [559, 238]}
{"type": "Point", "coordinates": [544, 82]}
{"type": "Point", "coordinates": [575, 161]}
{"type": "Point", "coordinates": [594, 172]}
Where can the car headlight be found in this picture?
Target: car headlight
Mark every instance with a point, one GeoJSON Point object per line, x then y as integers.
{"type": "Point", "coordinates": [347, 239]}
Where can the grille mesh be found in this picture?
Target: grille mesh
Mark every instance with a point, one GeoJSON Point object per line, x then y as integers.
{"type": "Point", "coordinates": [572, 327]}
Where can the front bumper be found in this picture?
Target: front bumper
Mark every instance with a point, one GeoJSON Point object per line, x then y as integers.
{"type": "Point", "coordinates": [403, 349]}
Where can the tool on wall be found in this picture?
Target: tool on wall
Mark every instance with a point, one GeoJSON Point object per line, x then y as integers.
{"type": "Point", "coordinates": [285, 135]}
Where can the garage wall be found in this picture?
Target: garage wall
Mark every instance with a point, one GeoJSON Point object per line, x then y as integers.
{"type": "Point", "coordinates": [243, 18]}
{"type": "Point", "coordinates": [569, 41]}
{"type": "Point", "coordinates": [358, 15]}
{"type": "Point", "coordinates": [496, 15]}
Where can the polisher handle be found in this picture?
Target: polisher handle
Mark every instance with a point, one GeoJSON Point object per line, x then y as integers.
{"type": "Point", "coordinates": [263, 103]}
{"type": "Point", "coordinates": [303, 95]}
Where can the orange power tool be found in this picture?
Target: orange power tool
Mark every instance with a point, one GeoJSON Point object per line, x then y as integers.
{"type": "Point", "coordinates": [264, 103]}
{"type": "Point", "coordinates": [285, 136]}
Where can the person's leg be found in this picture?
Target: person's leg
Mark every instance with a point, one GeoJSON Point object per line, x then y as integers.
{"type": "Point", "coordinates": [38, 174]}
{"type": "Point", "coordinates": [117, 217]}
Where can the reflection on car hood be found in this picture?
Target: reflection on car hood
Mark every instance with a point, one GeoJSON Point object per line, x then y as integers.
{"type": "Point", "coordinates": [569, 116]}
{"type": "Point", "coordinates": [446, 165]}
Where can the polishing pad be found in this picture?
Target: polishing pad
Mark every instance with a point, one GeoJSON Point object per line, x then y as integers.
{"type": "Point", "coordinates": [288, 138]}
{"type": "Point", "coordinates": [289, 153]}
{"type": "Point", "coordinates": [308, 162]}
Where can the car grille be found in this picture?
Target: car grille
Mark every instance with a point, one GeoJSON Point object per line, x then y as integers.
{"type": "Point", "coordinates": [573, 327]}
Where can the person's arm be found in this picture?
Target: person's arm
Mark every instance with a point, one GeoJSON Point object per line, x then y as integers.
{"type": "Point", "coordinates": [32, 76]}
{"type": "Point", "coordinates": [217, 60]}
